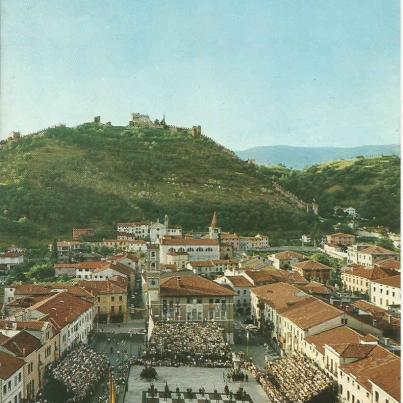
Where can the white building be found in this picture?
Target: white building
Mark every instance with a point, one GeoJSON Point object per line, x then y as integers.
{"type": "Point", "coordinates": [11, 378]}
{"type": "Point", "coordinates": [291, 314]}
{"type": "Point", "coordinates": [10, 259]}
{"type": "Point", "coordinates": [71, 316]}
{"type": "Point", "coordinates": [134, 230]}
{"type": "Point", "coordinates": [197, 249]}
{"type": "Point", "coordinates": [159, 230]}
{"type": "Point", "coordinates": [368, 255]}
{"type": "Point", "coordinates": [385, 292]}
{"type": "Point", "coordinates": [242, 286]}
{"type": "Point", "coordinates": [253, 242]}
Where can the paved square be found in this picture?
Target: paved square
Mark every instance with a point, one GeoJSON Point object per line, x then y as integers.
{"type": "Point", "coordinates": [190, 377]}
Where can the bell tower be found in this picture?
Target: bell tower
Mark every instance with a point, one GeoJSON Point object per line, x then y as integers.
{"type": "Point", "coordinates": [214, 228]}
{"type": "Point", "coordinates": [153, 276]}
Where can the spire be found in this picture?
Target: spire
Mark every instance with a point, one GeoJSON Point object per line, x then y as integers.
{"type": "Point", "coordinates": [214, 221]}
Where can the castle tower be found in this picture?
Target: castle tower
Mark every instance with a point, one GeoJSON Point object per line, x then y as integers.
{"type": "Point", "coordinates": [214, 229]}
{"type": "Point", "coordinates": [166, 221]}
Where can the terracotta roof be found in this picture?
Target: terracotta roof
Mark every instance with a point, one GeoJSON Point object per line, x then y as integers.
{"type": "Point", "coordinates": [356, 350]}
{"type": "Point", "coordinates": [22, 344]}
{"type": "Point", "coordinates": [37, 325]}
{"type": "Point", "coordinates": [288, 255]}
{"type": "Point", "coordinates": [188, 241]}
{"type": "Point", "coordinates": [338, 335]}
{"type": "Point", "coordinates": [392, 281]}
{"type": "Point", "coordinates": [30, 289]}
{"type": "Point", "coordinates": [9, 365]}
{"type": "Point", "coordinates": [311, 312]}
{"type": "Point", "coordinates": [311, 265]}
{"type": "Point", "coordinates": [72, 266]}
{"type": "Point", "coordinates": [388, 378]}
{"type": "Point", "coordinates": [102, 287]}
{"type": "Point", "coordinates": [239, 281]}
{"type": "Point", "coordinates": [93, 265]}
{"type": "Point", "coordinates": [279, 296]}
{"type": "Point", "coordinates": [123, 269]}
{"type": "Point", "coordinates": [315, 288]}
{"type": "Point", "coordinates": [192, 286]}
{"type": "Point", "coordinates": [202, 263]}
{"type": "Point", "coordinates": [11, 254]}
{"type": "Point", "coordinates": [379, 365]}
{"type": "Point", "coordinates": [370, 273]}
{"type": "Point", "coordinates": [369, 308]}
{"type": "Point", "coordinates": [392, 264]}
{"type": "Point", "coordinates": [377, 250]}
{"type": "Point", "coordinates": [272, 275]}
{"type": "Point", "coordinates": [62, 308]}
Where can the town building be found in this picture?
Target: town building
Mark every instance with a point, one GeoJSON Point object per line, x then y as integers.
{"type": "Point", "coordinates": [356, 278]}
{"type": "Point", "coordinates": [365, 372]}
{"type": "Point", "coordinates": [196, 249]}
{"type": "Point", "coordinates": [71, 316]}
{"type": "Point", "coordinates": [11, 378]}
{"type": "Point", "coordinates": [134, 230]}
{"type": "Point", "coordinates": [247, 243]}
{"type": "Point", "coordinates": [312, 270]}
{"type": "Point", "coordinates": [67, 247]}
{"type": "Point", "coordinates": [285, 260]}
{"type": "Point", "coordinates": [110, 300]}
{"type": "Point", "coordinates": [159, 230]}
{"type": "Point", "coordinates": [212, 268]}
{"type": "Point", "coordinates": [126, 245]}
{"type": "Point", "coordinates": [340, 239]}
{"type": "Point", "coordinates": [368, 255]}
{"type": "Point", "coordinates": [291, 315]}
{"type": "Point", "coordinates": [189, 297]}
{"type": "Point", "coordinates": [242, 287]}
{"type": "Point", "coordinates": [385, 292]}
{"type": "Point", "coordinates": [10, 259]}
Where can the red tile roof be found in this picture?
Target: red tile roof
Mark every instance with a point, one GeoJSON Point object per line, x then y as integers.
{"type": "Point", "coordinates": [30, 289]}
{"type": "Point", "coordinates": [338, 335]}
{"type": "Point", "coordinates": [102, 287]}
{"type": "Point", "coordinates": [22, 344]}
{"type": "Point", "coordinates": [377, 250]}
{"type": "Point", "coordinates": [279, 296]}
{"type": "Point", "coordinates": [370, 273]}
{"type": "Point", "coordinates": [239, 281]}
{"type": "Point", "coordinates": [311, 265]}
{"type": "Point", "coordinates": [392, 281]}
{"type": "Point", "coordinates": [192, 286]}
{"type": "Point", "coordinates": [9, 365]}
{"type": "Point", "coordinates": [288, 255]}
{"type": "Point", "coordinates": [311, 312]}
{"type": "Point", "coordinates": [379, 366]}
{"type": "Point", "coordinates": [388, 264]}
{"type": "Point", "coordinates": [61, 309]}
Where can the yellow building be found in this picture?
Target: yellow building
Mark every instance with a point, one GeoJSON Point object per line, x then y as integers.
{"type": "Point", "coordinates": [110, 300]}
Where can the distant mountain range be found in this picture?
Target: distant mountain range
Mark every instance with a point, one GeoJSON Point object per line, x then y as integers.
{"type": "Point", "coordinates": [301, 157]}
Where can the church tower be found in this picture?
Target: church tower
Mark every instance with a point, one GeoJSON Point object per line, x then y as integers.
{"type": "Point", "coordinates": [166, 221]}
{"type": "Point", "coordinates": [153, 276]}
{"type": "Point", "coordinates": [214, 229]}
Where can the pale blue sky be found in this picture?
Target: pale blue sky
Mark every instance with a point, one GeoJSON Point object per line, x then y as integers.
{"type": "Point", "coordinates": [295, 72]}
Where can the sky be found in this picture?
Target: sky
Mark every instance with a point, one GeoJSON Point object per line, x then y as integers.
{"type": "Point", "coordinates": [251, 73]}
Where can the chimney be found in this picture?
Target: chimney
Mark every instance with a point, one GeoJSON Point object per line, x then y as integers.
{"type": "Point", "coordinates": [178, 281]}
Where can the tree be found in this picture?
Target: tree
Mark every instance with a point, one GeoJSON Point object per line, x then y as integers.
{"type": "Point", "coordinates": [54, 251]}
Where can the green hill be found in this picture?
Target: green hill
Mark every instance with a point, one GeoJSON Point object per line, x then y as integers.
{"type": "Point", "coordinates": [371, 185]}
{"type": "Point", "coordinates": [96, 175]}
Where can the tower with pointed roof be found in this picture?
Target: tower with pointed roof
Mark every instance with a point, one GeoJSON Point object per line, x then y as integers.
{"type": "Point", "coordinates": [214, 229]}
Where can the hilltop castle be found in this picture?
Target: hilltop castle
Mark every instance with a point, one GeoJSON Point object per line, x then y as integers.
{"type": "Point", "coordinates": [140, 120]}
